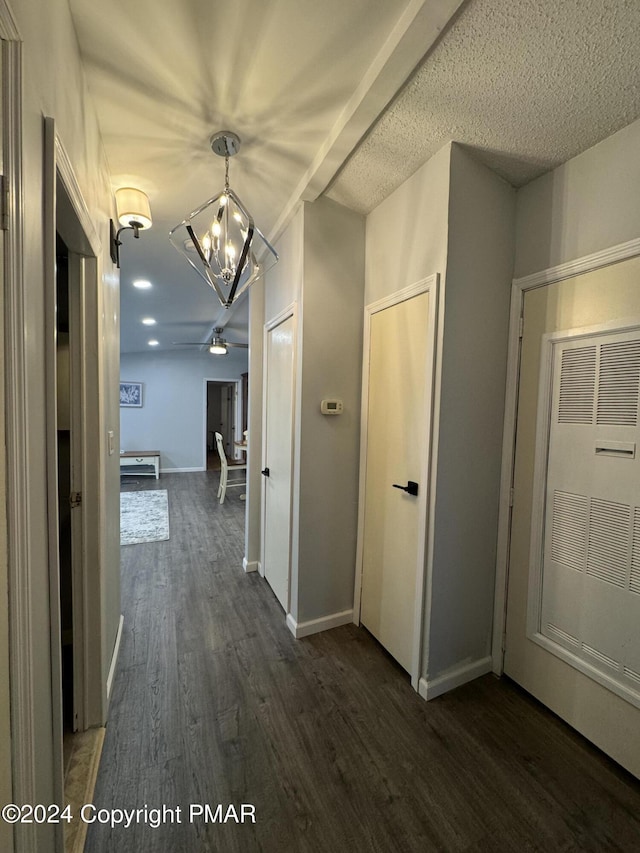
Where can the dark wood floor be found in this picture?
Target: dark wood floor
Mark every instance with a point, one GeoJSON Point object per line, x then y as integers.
{"type": "Point", "coordinates": [215, 702]}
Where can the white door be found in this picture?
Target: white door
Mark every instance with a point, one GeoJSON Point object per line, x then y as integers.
{"type": "Point", "coordinates": [398, 411]}
{"type": "Point", "coordinates": [572, 537]}
{"type": "Point", "coordinates": [278, 454]}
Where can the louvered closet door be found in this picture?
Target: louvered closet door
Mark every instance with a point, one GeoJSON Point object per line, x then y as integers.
{"type": "Point", "coordinates": [573, 614]}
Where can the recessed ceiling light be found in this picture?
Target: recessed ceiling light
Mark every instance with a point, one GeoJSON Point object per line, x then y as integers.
{"type": "Point", "coordinates": [148, 321]}
{"type": "Point", "coordinates": [153, 343]}
{"type": "Point", "coordinates": [142, 284]}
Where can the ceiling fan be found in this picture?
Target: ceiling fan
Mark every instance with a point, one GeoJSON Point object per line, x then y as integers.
{"type": "Point", "coordinates": [217, 346]}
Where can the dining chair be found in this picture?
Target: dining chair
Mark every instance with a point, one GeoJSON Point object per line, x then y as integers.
{"type": "Point", "coordinates": [225, 468]}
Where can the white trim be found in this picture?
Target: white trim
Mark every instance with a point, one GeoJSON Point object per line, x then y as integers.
{"type": "Point", "coordinates": [569, 269]}
{"type": "Point", "coordinates": [250, 565]}
{"type": "Point", "coordinates": [180, 470]}
{"type": "Point", "coordinates": [68, 176]}
{"type": "Point", "coordinates": [23, 738]}
{"type": "Point", "coordinates": [114, 657]}
{"type": "Point", "coordinates": [314, 626]}
{"type": "Point", "coordinates": [427, 473]}
{"type": "Point", "coordinates": [8, 26]}
{"type": "Point", "coordinates": [625, 691]}
{"type": "Point", "coordinates": [430, 688]}
{"type": "Point", "coordinates": [49, 202]}
{"type": "Point", "coordinates": [589, 263]}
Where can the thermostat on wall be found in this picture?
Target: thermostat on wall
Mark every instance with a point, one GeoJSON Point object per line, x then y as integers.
{"type": "Point", "coordinates": [331, 407]}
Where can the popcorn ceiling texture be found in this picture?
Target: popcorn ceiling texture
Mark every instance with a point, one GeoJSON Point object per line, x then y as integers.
{"type": "Point", "coordinates": [528, 84]}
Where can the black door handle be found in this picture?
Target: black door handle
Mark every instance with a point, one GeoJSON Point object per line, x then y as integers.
{"type": "Point", "coordinates": [265, 472]}
{"type": "Point", "coordinates": [411, 487]}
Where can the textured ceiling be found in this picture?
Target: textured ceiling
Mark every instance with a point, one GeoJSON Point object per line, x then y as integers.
{"type": "Point", "coordinates": [527, 83]}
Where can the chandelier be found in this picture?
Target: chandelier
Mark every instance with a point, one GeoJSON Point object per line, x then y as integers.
{"type": "Point", "coordinates": [220, 239]}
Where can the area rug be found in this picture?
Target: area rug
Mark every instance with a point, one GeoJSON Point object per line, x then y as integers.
{"type": "Point", "coordinates": [144, 517]}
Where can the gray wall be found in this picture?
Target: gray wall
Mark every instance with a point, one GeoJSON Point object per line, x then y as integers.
{"type": "Point", "coordinates": [476, 320]}
{"type": "Point", "coordinates": [333, 293]}
{"type": "Point", "coordinates": [253, 527]}
{"type": "Point", "coordinates": [171, 419]}
{"type": "Point", "coordinates": [321, 268]}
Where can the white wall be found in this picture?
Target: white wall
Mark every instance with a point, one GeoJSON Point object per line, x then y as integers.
{"type": "Point", "coordinates": [407, 233]}
{"type": "Point", "coordinates": [172, 417]}
{"type": "Point", "coordinates": [283, 283]}
{"type": "Point", "coordinates": [590, 203]}
{"type": "Point", "coordinates": [53, 85]}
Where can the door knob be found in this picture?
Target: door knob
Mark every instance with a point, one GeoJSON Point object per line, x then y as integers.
{"type": "Point", "coordinates": [265, 472]}
{"type": "Point", "coordinates": [411, 487]}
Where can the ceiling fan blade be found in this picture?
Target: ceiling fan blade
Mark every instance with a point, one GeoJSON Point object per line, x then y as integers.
{"type": "Point", "coordinates": [242, 346]}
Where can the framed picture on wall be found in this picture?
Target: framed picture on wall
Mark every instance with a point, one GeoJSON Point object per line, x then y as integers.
{"type": "Point", "coordinates": [131, 394]}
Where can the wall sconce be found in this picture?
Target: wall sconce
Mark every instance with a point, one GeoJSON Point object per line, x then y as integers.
{"type": "Point", "coordinates": [134, 213]}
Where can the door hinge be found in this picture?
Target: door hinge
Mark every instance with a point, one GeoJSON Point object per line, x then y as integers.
{"type": "Point", "coordinates": [75, 499]}
{"type": "Point", "coordinates": [521, 327]}
{"type": "Point", "coordinates": [4, 204]}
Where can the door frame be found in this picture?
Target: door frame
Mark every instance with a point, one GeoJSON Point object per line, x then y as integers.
{"type": "Point", "coordinates": [424, 567]}
{"type": "Point", "coordinates": [19, 557]}
{"type": "Point", "coordinates": [237, 426]}
{"type": "Point", "coordinates": [519, 288]}
{"type": "Point", "coordinates": [291, 311]}
{"type": "Point", "coordinates": [65, 210]}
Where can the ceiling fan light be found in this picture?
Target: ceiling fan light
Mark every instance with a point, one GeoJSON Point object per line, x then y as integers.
{"type": "Point", "coordinates": [218, 349]}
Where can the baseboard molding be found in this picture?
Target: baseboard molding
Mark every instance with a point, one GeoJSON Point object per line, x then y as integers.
{"type": "Point", "coordinates": [181, 470]}
{"type": "Point", "coordinates": [114, 657]}
{"type": "Point", "coordinates": [250, 565]}
{"type": "Point", "coordinates": [430, 688]}
{"type": "Point", "coordinates": [325, 623]}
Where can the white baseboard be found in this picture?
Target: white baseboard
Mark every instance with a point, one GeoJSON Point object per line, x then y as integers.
{"type": "Point", "coordinates": [430, 688]}
{"type": "Point", "coordinates": [250, 565]}
{"type": "Point", "coordinates": [114, 657]}
{"type": "Point", "coordinates": [181, 470]}
{"type": "Point", "coordinates": [304, 629]}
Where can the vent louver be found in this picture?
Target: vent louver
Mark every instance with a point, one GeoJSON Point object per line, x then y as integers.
{"type": "Point", "coordinates": [577, 385]}
{"type": "Point", "coordinates": [619, 383]}
{"type": "Point", "coordinates": [569, 530]}
{"type": "Point", "coordinates": [634, 580]}
{"type": "Point", "coordinates": [608, 541]}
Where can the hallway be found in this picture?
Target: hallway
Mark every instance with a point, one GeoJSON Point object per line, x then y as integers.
{"type": "Point", "coordinates": [215, 702]}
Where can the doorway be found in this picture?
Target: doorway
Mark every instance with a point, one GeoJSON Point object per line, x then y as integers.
{"type": "Point", "coordinates": [395, 464]}
{"type": "Point", "coordinates": [277, 436]}
{"type": "Point", "coordinates": [69, 529]}
{"type": "Point", "coordinates": [572, 548]}
{"type": "Point", "coordinates": [221, 414]}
